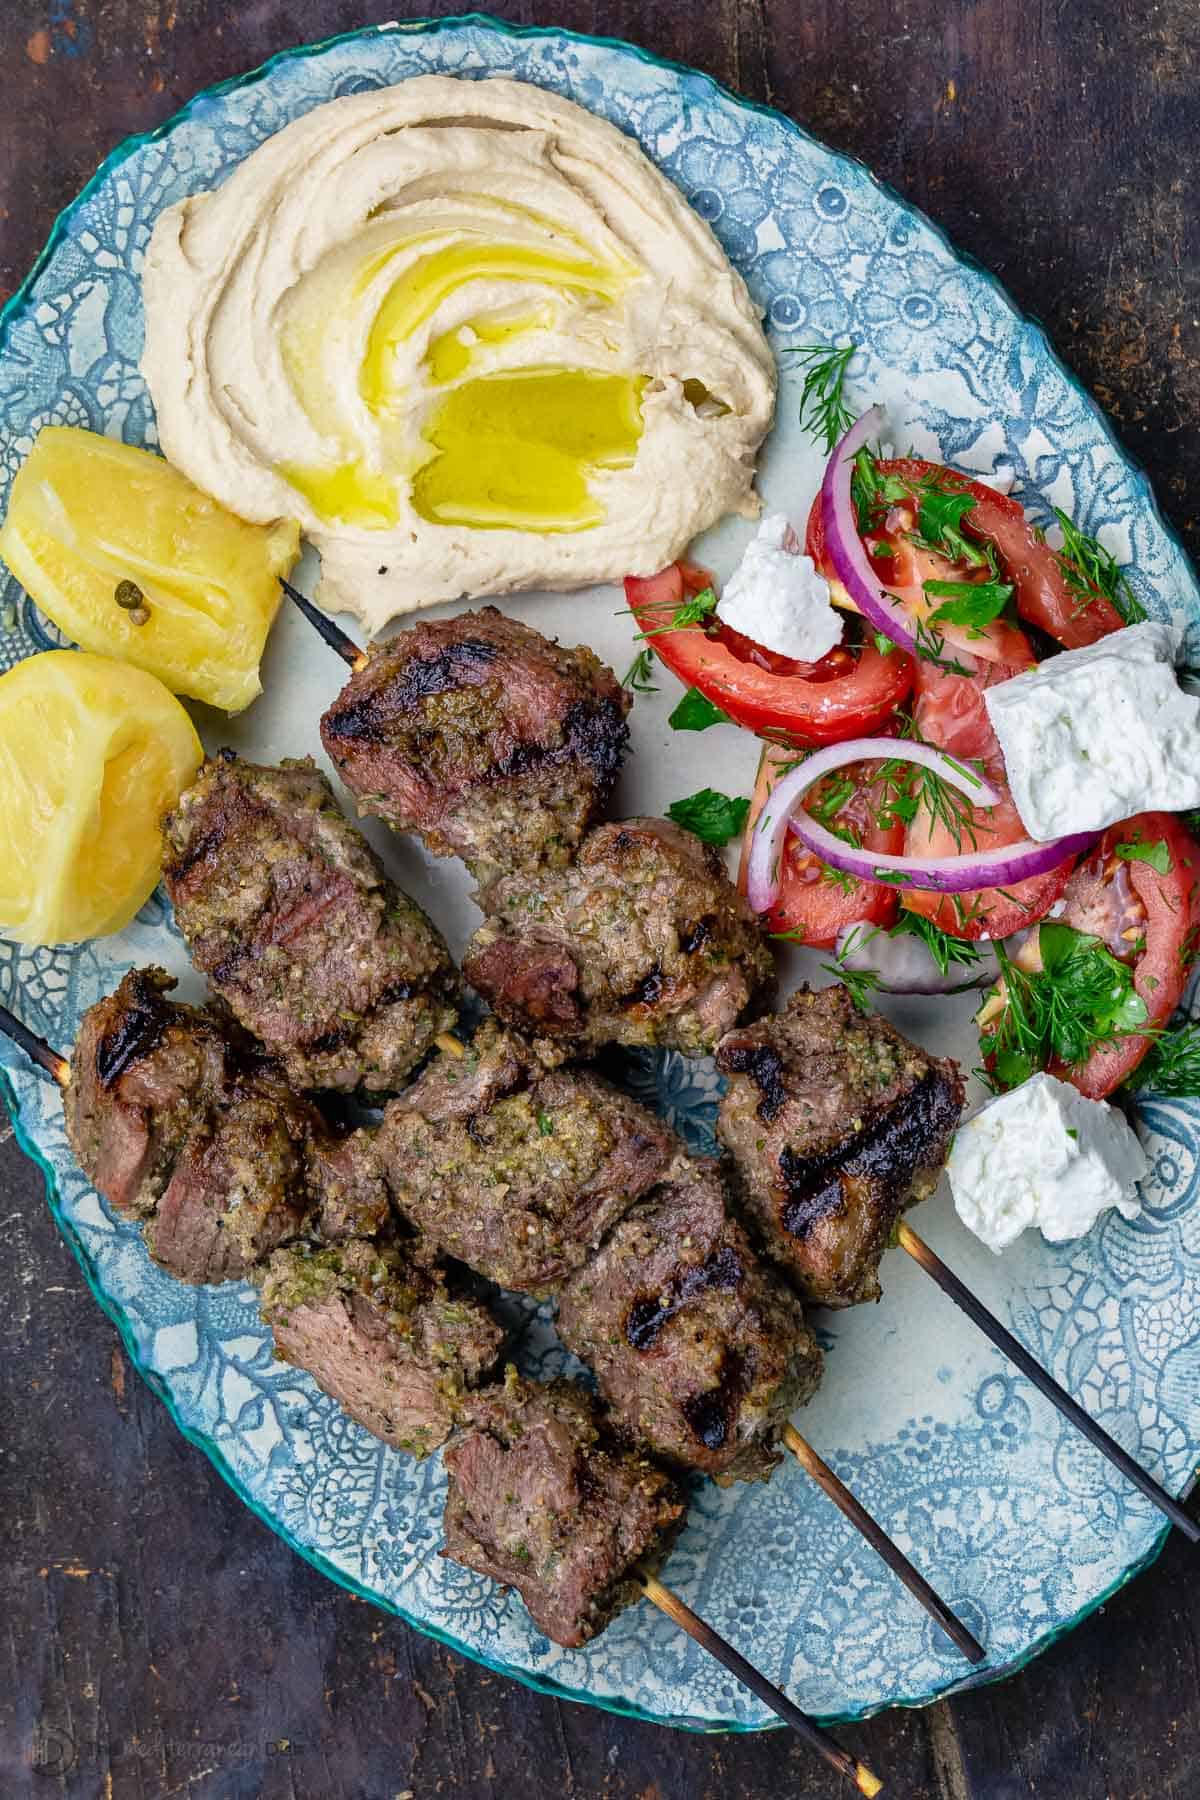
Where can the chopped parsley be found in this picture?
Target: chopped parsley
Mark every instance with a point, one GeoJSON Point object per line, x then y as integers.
{"type": "Point", "coordinates": [696, 712]}
{"type": "Point", "coordinates": [940, 513]}
{"type": "Point", "coordinates": [1082, 996]}
{"type": "Point", "coordinates": [711, 816]}
{"type": "Point", "coordinates": [1137, 850]}
{"type": "Point", "coordinates": [974, 604]}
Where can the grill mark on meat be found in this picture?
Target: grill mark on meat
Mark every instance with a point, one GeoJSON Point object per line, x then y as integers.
{"type": "Point", "coordinates": [889, 1150]}
{"type": "Point", "coordinates": [422, 678]}
{"type": "Point", "coordinates": [764, 1065]}
{"type": "Point", "coordinates": [709, 1414]}
{"type": "Point", "coordinates": [597, 734]}
{"type": "Point", "coordinates": [141, 1029]}
{"type": "Point", "coordinates": [648, 991]}
{"type": "Point", "coordinates": [198, 850]}
{"type": "Point", "coordinates": [646, 1318]}
{"type": "Point", "coordinates": [697, 935]}
{"type": "Point", "coordinates": [399, 990]}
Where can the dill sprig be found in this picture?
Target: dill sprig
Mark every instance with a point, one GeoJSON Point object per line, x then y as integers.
{"type": "Point", "coordinates": [637, 676]}
{"type": "Point", "coordinates": [1090, 569]}
{"type": "Point", "coordinates": [1173, 1066]}
{"type": "Point", "coordinates": [857, 982]}
{"type": "Point", "coordinates": [947, 952]}
{"type": "Point", "coordinates": [823, 410]}
{"type": "Point", "coordinates": [692, 612]}
{"type": "Point", "coordinates": [910, 788]}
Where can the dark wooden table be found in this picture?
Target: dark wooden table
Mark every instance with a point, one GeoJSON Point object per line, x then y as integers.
{"type": "Point", "coordinates": [155, 1640]}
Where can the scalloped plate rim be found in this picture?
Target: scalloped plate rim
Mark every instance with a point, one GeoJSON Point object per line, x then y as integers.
{"type": "Point", "coordinates": [9, 313]}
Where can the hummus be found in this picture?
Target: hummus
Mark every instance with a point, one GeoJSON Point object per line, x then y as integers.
{"type": "Point", "coordinates": [468, 336]}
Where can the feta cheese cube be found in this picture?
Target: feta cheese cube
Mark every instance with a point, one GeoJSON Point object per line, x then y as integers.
{"type": "Point", "coordinates": [1043, 1155]}
{"type": "Point", "coordinates": [776, 597]}
{"type": "Point", "coordinates": [1098, 734]}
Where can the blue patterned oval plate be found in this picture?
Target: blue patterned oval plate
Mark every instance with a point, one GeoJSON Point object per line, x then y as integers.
{"type": "Point", "coordinates": [1021, 1526]}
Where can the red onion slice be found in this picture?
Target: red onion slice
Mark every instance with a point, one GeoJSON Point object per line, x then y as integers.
{"type": "Point", "coordinates": [766, 848]}
{"type": "Point", "coordinates": [846, 551]}
{"type": "Point", "coordinates": [906, 965]}
{"type": "Point", "coordinates": [947, 874]}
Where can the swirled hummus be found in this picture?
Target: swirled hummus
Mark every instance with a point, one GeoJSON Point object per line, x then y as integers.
{"type": "Point", "coordinates": [468, 335]}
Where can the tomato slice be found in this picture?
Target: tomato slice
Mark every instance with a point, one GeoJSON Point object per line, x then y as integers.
{"type": "Point", "coordinates": [1155, 917]}
{"type": "Point", "coordinates": [849, 693]}
{"type": "Point", "coordinates": [815, 901]}
{"type": "Point", "coordinates": [949, 711]}
{"type": "Point", "coordinates": [1044, 597]}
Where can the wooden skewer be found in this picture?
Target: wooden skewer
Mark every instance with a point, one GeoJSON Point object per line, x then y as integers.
{"type": "Point", "coordinates": [1045, 1383]}
{"type": "Point", "coordinates": [882, 1544]}
{"type": "Point", "coordinates": [813, 1734]}
{"type": "Point", "coordinates": [36, 1048]}
{"type": "Point", "coordinates": [334, 636]}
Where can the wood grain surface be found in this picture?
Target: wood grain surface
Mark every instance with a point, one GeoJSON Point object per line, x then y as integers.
{"type": "Point", "coordinates": [155, 1639]}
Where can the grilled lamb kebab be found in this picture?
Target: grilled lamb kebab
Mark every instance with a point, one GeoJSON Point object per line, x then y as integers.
{"type": "Point", "coordinates": [381, 1334]}
{"type": "Point", "coordinates": [517, 1171]}
{"type": "Point", "coordinates": [490, 741]}
{"type": "Point", "coordinates": [836, 1125]}
{"type": "Point", "coordinates": [555, 1183]}
{"type": "Point", "coordinates": [182, 1125]}
{"type": "Point", "coordinates": [542, 1498]}
{"type": "Point", "coordinates": [699, 1349]}
{"type": "Point", "coordinates": [290, 915]}
{"type": "Point", "coordinates": [641, 940]}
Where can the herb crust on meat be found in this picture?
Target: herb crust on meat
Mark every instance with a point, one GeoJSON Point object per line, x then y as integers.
{"type": "Point", "coordinates": [836, 1124]}
{"type": "Point", "coordinates": [289, 913]}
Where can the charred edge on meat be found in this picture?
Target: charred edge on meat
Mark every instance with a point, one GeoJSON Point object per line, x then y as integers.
{"type": "Point", "coordinates": [906, 1136]}
{"type": "Point", "coordinates": [648, 992]}
{"type": "Point", "coordinates": [697, 935]}
{"type": "Point", "coordinates": [722, 1271]}
{"type": "Point", "coordinates": [139, 1031]}
{"type": "Point", "coordinates": [764, 1065]}
{"type": "Point", "coordinates": [420, 679]}
{"type": "Point", "coordinates": [711, 1413]}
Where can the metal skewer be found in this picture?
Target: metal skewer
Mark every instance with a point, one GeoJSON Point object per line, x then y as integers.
{"type": "Point", "coordinates": [1042, 1380]}
{"type": "Point", "coordinates": [57, 1066]}
{"type": "Point", "coordinates": [813, 1734]}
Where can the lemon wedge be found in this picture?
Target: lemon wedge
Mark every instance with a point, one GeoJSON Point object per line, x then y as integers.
{"type": "Point", "coordinates": [92, 753]}
{"type": "Point", "coordinates": [130, 559]}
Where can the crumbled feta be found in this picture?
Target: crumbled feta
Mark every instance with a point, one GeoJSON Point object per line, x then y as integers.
{"type": "Point", "coordinates": [776, 597]}
{"type": "Point", "coordinates": [1098, 734]}
{"type": "Point", "coordinates": [1043, 1155]}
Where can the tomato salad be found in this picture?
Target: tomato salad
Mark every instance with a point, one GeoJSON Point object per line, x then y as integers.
{"type": "Point", "coordinates": [882, 801]}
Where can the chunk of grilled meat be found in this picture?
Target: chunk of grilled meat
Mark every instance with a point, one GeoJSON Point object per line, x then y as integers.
{"type": "Point", "coordinates": [291, 917]}
{"type": "Point", "coordinates": [836, 1124]}
{"type": "Point", "coordinates": [182, 1124]}
{"type": "Point", "coordinates": [700, 1350]}
{"type": "Point", "coordinates": [542, 1500]}
{"type": "Point", "coordinates": [513, 1170]}
{"type": "Point", "coordinates": [141, 1068]}
{"type": "Point", "coordinates": [643, 940]}
{"type": "Point", "coordinates": [490, 741]}
{"type": "Point", "coordinates": [382, 1336]}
